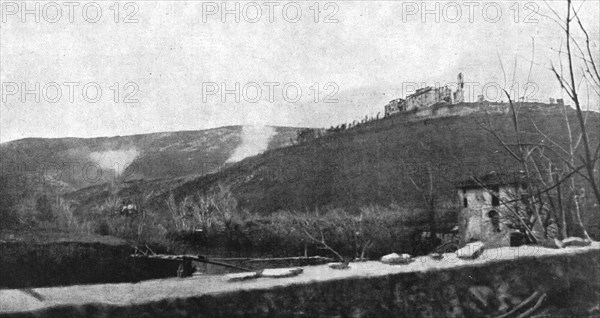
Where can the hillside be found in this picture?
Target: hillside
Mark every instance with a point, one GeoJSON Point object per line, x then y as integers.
{"type": "Point", "coordinates": [35, 165]}
{"type": "Point", "coordinates": [377, 162]}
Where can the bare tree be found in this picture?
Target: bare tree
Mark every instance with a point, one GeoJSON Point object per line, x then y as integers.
{"type": "Point", "coordinates": [314, 228]}
{"type": "Point", "coordinates": [554, 171]}
{"type": "Point", "coordinates": [357, 229]}
{"type": "Point", "coordinates": [569, 86]}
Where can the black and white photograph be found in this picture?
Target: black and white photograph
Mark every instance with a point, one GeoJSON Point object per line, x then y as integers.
{"type": "Point", "coordinates": [307, 158]}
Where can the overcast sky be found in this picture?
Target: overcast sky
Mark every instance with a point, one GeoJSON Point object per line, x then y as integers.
{"type": "Point", "coordinates": [172, 58]}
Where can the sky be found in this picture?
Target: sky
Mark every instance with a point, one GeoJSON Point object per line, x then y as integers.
{"type": "Point", "coordinates": [163, 65]}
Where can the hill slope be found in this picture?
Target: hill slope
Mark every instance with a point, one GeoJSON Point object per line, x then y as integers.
{"type": "Point", "coordinates": [35, 165]}
{"type": "Point", "coordinates": [380, 162]}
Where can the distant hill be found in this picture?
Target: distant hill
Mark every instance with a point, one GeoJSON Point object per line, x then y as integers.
{"type": "Point", "coordinates": [61, 165]}
{"type": "Point", "coordinates": [378, 162]}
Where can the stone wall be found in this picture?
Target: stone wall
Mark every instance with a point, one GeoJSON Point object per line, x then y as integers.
{"type": "Point", "coordinates": [258, 263]}
{"type": "Point", "coordinates": [568, 280]}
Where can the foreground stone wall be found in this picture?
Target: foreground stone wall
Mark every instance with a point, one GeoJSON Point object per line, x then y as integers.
{"type": "Point", "coordinates": [258, 263]}
{"type": "Point", "coordinates": [569, 279]}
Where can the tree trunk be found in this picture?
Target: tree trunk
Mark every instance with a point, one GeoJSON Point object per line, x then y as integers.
{"type": "Point", "coordinates": [562, 223]}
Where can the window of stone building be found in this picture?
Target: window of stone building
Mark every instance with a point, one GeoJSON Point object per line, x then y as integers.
{"type": "Point", "coordinates": [465, 202]}
{"type": "Point", "coordinates": [495, 194]}
{"type": "Point", "coordinates": [495, 219]}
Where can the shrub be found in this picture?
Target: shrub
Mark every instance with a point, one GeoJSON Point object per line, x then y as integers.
{"type": "Point", "coordinates": [101, 228]}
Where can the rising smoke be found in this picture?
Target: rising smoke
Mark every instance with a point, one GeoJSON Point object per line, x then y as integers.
{"type": "Point", "coordinates": [116, 160]}
{"type": "Point", "coordinates": [255, 140]}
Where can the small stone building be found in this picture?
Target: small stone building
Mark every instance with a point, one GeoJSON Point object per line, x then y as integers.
{"type": "Point", "coordinates": [395, 106]}
{"type": "Point", "coordinates": [486, 204]}
{"type": "Point", "coordinates": [428, 96]}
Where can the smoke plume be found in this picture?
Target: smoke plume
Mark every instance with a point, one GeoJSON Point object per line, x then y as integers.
{"type": "Point", "coordinates": [116, 160]}
{"type": "Point", "coordinates": [255, 140]}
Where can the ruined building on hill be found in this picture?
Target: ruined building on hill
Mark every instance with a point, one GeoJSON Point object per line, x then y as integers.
{"type": "Point", "coordinates": [426, 97]}
{"type": "Point", "coordinates": [395, 106]}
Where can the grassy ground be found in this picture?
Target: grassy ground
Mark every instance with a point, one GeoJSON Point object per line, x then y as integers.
{"type": "Point", "coordinates": [379, 162]}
